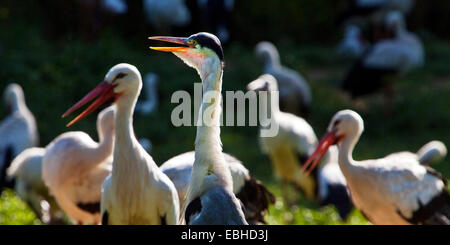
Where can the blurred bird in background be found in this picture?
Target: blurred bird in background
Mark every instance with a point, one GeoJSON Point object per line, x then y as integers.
{"type": "Point", "coordinates": [18, 131]}
{"type": "Point", "coordinates": [295, 93]}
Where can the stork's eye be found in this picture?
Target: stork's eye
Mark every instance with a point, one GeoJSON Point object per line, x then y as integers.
{"type": "Point", "coordinates": [120, 75]}
{"type": "Point", "coordinates": [336, 123]}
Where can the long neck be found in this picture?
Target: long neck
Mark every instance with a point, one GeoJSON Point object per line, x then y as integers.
{"type": "Point", "coordinates": [346, 147]}
{"type": "Point", "coordinates": [18, 105]}
{"type": "Point", "coordinates": [125, 141]}
{"type": "Point", "coordinates": [272, 63]}
{"type": "Point", "coordinates": [106, 144]}
{"type": "Point", "coordinates": [207, 143]}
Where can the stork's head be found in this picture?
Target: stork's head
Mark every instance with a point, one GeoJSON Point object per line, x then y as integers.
{"type": "Point", "coordinates": [201, 51]}
{"type": "Point", "coordinates": [13, 95]}
{"type": "Point", "coordinates": [264, 82]}
{"type": "Point", "coordinates": [267, 53]}
{"type": "Point", "coordinates": [395, 22]}
{"type": "Point", "coordinates": [122, 82]}
{"type": "Point", "coordinates": [344, 124]}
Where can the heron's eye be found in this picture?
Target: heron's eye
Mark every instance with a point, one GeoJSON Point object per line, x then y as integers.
{"type": "Point", "coordinates": [120, 75]}
{"type": "Point", "coordinates": [192, 42]}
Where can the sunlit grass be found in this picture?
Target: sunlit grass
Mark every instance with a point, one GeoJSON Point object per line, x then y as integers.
{"type": "Point", "coordinates": [13, 211]}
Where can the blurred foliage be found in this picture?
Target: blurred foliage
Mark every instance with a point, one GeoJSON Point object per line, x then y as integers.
{"type": "Point", "coordinates": [14, 211]}
{"type": "Point", "coordinates": [55, 73]}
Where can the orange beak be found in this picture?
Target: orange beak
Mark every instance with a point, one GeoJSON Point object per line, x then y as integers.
{"type": "Point", "coordinates": [104, 91]}
{"type": "Point", "coordinates": [177, 40]}
{"type": "Point", "coordinates": [327, 140]}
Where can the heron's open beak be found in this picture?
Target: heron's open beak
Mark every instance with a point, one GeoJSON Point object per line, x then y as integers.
{"type": "Point", "coordinates": [327, 140]}
{"type": "Point", "coordinates": [176, 40]}
{"type": "Point", "coordinates": [104, 91]}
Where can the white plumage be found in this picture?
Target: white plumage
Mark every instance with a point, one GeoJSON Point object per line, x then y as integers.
{"type": "Point", "coordinates": [295, 93]}
{"type": "Point", "coordinates": [18, 131]}
{"type": "Point", "coordinates": [402, 53]}
{"type": "Point", "coordinates": [395, 56]}
{"type": "Point", "coordinates": [137, 192]}
{"type": "Point", "coordinates": [167, 13]}
{"type": "Point", "coordinates": [293, 144]}
{"type": "Point", "coordinates": [395, 189]}
{"type": "Point", "coordinates": [75, 166]}
{"type": "Point", "coordinates": [115, 6]}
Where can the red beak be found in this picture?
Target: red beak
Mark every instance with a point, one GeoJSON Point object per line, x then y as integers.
{"type": "Point", "coordinates": [327, 140]}
{"type": "Point", "coordinates": [104, 91]}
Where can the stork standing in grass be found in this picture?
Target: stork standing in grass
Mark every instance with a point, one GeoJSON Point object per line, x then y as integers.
{"type": "Point", "coordinates": [137, 192]}
{"type": "Point", "coordinates": [396, 56]}
{"type": "Point", "coordinates": [74, 168]}
{"type": "Point", "coordinates": [251, 192]}
{"type": "Point", "coordinates": [295, 94]}
{"type": "Point", "coordinates": [18, 131]}
{"type": "Point", "coordinates": [290, 148]}
{"type": "Point", "coordinates": [394, 190]}
{"type": "Point", "coordinates": [210, 198]}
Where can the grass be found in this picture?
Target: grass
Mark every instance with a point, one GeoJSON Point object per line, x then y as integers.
{"type": "Point", "coordinates": [56, 74]}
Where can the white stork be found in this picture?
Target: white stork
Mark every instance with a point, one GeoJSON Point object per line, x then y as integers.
{"type": "Point", "coordinates": [165, 14]}
{"type": "Point", "coordinates": [26, 174]}
{"type": "Point", "coordinates": [18, 131]}
{"type": "Point", "coordinates": [398, 55]}
{"type": "Point", "coordinates": [394, 190]}
{"type": "Point", "coordinates": [151, 92]}
{"type": "Point", "coordinates": [74, 167]}
{"type": "Point", "coordinates": [292, 146]}
{"type": "Point", "coordinates": [432, 152]}
{"type": "Point", "coordinates": [295, 93]}
{"type": "Point", "coordinates": [210, 198]}
{"type": "Point", "coordinates": [136, 192]}
{"type": "Point", "coordinates": [251, 192]}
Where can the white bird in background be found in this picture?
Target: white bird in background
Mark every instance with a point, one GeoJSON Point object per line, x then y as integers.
{"type": "Point", "coordinates": [352, 45]}
{"type": "Point", "coordinates": [210, 198]}
{"type": "Point", "coordinates": [434, 151]}
{"type": "Point", "coordinates": [290, 149]}
{"type": "Point", "coordinates": [18, 131]}
{"type": "Point", "coordinates": [115, 6]}
{"type": "Point", "coordinates": [151, 93]}
{"type": "Point", "coordinates": [251, 192]}
{"type": "Point", "coordinates": [165, 14]}
{"type": "Point", "coordinates": [295, 93]}
{"type": "Point", "coordinates": [137, 192]}
{"type": "Point", "coordinates": [74, 168]}
{"type": "Point", "coordinates": [394, 190]}
{"type": "Point", "coordinates": [398, 55]}
{"type": "Point", "coordinates": [26, 174]}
